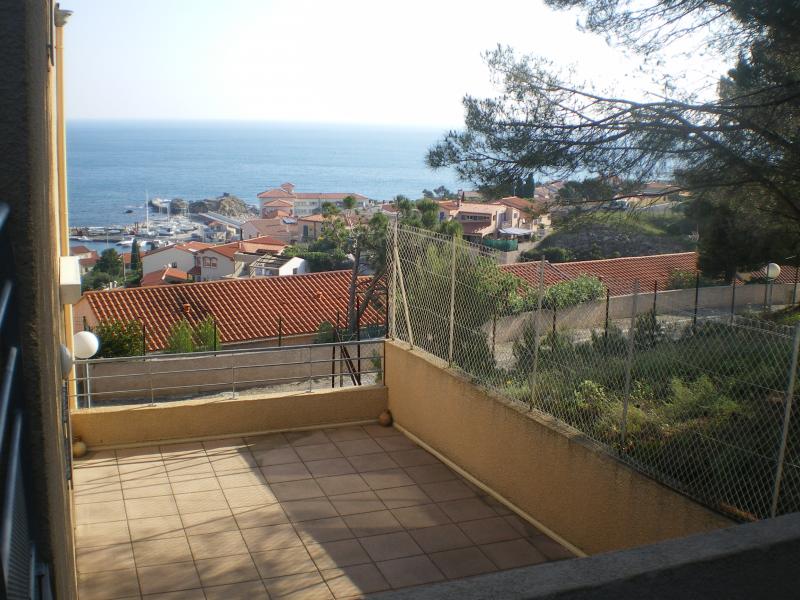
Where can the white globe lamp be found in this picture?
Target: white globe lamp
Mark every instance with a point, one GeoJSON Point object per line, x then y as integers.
{"type": "Point", "coordinates": [773, 271]}
{"type": "Point", "coordinates": [85, 344]}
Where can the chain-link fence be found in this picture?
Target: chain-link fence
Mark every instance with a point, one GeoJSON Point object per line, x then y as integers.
{"type": "Point", "coordinates": [687, 385]}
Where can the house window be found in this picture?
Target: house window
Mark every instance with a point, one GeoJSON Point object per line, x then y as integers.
{"type": "Point", "coordinates": [209, 261]}
{"type": "Point", "coordinates": [441, 216]}
{"type": "Point", "coordinates": [294, 271]}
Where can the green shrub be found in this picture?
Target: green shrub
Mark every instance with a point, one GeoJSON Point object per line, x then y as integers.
{"type": "Point", "coordinates": [206, 335]}
{"type": "Point", "coordinates": [180, 339]}
{"type": "Point", "coordinates": [556, 254]}
{"type": "Point", "coordinates": [611, 342]}
{"type": "Point", "coordinates": [698, 399]}
{"type": "Point", "coordinates": [647, 330]}
{"type": "Point", "coordinates": [120, 338]}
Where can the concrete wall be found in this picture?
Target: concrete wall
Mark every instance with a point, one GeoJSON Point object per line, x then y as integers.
{"type": "Point", "coordinates": [679, 302]}
{"type": "Point", "coordinates": [748, 562]}
{"type": "Point", "coordinates": [28, 186]}
{"type": "Point", "coordinates": [564, 481]}
{"type": "Point", "coordinates": [192, 419]}
{"type": "Point", "coordinates": [186, 376]}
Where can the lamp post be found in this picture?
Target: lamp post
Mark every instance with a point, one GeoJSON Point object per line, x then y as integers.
{"type": "Point", "coordinates": [86, 345]}
{"type": "Point", "coordinates": [772, 271]}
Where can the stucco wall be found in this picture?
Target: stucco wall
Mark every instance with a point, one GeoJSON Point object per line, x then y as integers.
{"type": "Point", "coordinates": [194, 419]}
{"type": "Point", "coordinates": [565, 482]}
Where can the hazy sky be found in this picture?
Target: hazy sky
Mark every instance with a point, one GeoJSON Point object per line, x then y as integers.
{"type": "Point", "coordinates": [406, 62]}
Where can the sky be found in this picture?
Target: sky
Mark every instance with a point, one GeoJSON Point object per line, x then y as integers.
{"type": "Point", "coordinates": [349, 61]}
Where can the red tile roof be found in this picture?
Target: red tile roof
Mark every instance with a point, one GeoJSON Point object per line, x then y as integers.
{"type": "Point", "coordinates": [276, 193]}
{"type": "Point", "coordinates": [244, 309]}
{"type": "Point", "coordinates": [283, 194]}
{"type": "Point", "coordinates": [265, 243]}
{"type": "Point", "coordinates": [617, 274]}
{"type": "Point", "coordinates": [185, 246]}
{"type": "Point", "coordinates": [80, 250]}
{"type": "Point", "coordinates": [312, 218]}
{"type": "Point", "coordinates": [278, 202]}
{"type": "Point", "coordinates": [164, 276]}
{"type": "Point", "coordinates": [787, 275]}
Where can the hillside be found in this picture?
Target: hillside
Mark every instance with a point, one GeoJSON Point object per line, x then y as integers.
{"type": "Point", "coordinates": [611, 235]}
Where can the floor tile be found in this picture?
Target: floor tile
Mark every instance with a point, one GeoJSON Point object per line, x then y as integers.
{"type": "Point", "coordinates": [343, 434]}
{"type": "Point", "coordinates": [423, 515]}
{"type": "Point", "coordinates": [154, 528]}
{"type": "Point", "coordinates": [102, 458]}
{"type": "Point", "coordinates": [168, 578]}
{"type": "Point", "coordinates": [307, 438]}
{"type": "Point", "coordinates": [142, 472]}
{"type": "Point", "coordinates": [372, 462]}
{"type": "Point", "coordinates": [346, 582]}
{"type": "Point", "coordinates": [358, 502]}
{"type": "Point", "coordinates": [275, 456]}
{"type": "Point", "coordinates": [135, 482]}
{"type": "Point", "coordinates": [440, 538]}
{"type": "Point", "coordinates": [318, 451]}
{"type": "Point", "coordinates": [226, 463]}
{"type": "Point", "coordinates": [104, 474]}
{"type": "Point", "coordinates": [252, 495]}
{"type": "Point", "coordinates": [243, 479]}
{"type": "Point", "coordinates": [485, 531]}
{"type": "Point", "coordinates": [287, 561]}
{"type": "Point", "coordinates": [158, 506]}
{"type": "Point", "coordinates": [443, 491]}
{"type": "Point", "coordinates": [226, 569]}
{"type": "Point", "coordinates": [211, 521]}
{"type": "Point", "coordinates": [308, 586]}
{"type": "Point", "coordinates": [524, 528]}
{"type": "Point", "coordinates": [190, 466]}
{"type": "Point", "coordinates": [259, 516]}
{"type": "Point", "coordinates": [379, 431]}
{"type": "Point", "coordinates": [414, 570]}
{"type": "Point", "coordinates": [399, 497]}
{"type": "Point", "coordinates": [514, 553]}
{"type": "Point", "coordinates": [430, 473]}
{"type": "Point", "coordinates": [467, 509]}
{"type": "Point", "coordinates": [358, 447]}
{"type": "Point", "coordinates": [108, 585]}
{"type": "Point", "coordinates": [308, 510]}
{"type": "Point", "coordinates": [161, 552]}
{"type": "Point", "coordinates": [190, 483]}
{"type": "Point", "coordinates": [373, 523]}
{"type": "Point", "coordinates": [550, 548]}
{"type": "Point", "coordinates": [413, 458]}
{"type": "Point", "coordinates": [248, 590]}
{"type": "Point", "coordinates": [268, 440]}
{"type": "Point", "coordinates": [323, 530]}
{"type": "Point", "coordinates": [297, 490]}
{"type": "Point", "coordinates": [390, 546]}
{"type": "Point", "coordinates": [271, 537]}
{"type": "Point", "coordinates": [104, 558]}
{"type": "Point", "coordinates": [102, 534]}
{"type": "Point", "coordinates": [213, 545]}
{"type": "Point", "coordinates": [235, 445]}
{"type": "Point", "coordinates": [201, 501]}
{"type": "Point", "coordinates": [144, 454]}
{"type": "Point", "coordinates": [98, 492]}
{"type": "Point", "coordinates": [183, 450]}
{"type": "Point", "coordinates": [99, 512]}
{"type": "Point", "coordinates": [147, 491]}
{"type": "Point", "coordinates": [395, 443]}
{"type": "Point", "coordinates": [196, 594]}
{"type": "Point", "coordinates": [285, 472]}
{"type": "Point", "coordinates": [463, 562]}
{"type": "Point", "coordinates": [342, 484]}
{"type": "Point", "coordinates": [386, 479]}
{"type": "Point", "coordinates": [330, 466]}
{"type": "Point", "coordinates": [344, 553]}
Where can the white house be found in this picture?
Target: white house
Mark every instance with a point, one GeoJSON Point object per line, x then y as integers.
{"type": "Point", "coordinates": [178, 256]}
{"type": "Point", "coordinates": [231, 260]}
{"type": "Point", "coordinates": [271, 266]}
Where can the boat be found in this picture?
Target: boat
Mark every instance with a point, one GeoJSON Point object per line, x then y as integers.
{"type": "Point", "coordinates": [80, 238]}
{"type": "Point", "coordinates": [129, 211]}
{"type": "Point", "coordinates": [126, 243]}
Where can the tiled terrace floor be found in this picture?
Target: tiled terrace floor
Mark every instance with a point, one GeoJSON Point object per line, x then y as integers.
{"type": "Point", "coordinates": [337, 513]}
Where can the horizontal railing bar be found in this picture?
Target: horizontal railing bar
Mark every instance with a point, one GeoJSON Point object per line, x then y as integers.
{"type": "Point", "coordinates": [165, 356]}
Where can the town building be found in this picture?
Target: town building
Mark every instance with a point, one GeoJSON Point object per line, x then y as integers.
{"type": "Point", "coordinates": [165, 276]}
{"type": "Point", "coordinates": [303, 203]}
{"type": "Point", "coordinates": [234, 258]}
{"type": "Point", "coordinates": [282, 227]}
{"type": "Point", "coordinates": [177, 256]}
{"type": "Point", "coordinates": [274, 266]}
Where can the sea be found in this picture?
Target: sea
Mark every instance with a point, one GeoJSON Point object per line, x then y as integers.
{"type": "Point", "coordinates": [114, 165]}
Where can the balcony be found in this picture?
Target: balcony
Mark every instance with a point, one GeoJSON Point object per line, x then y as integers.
{"type": "Point", "coordinates": [298, 493]}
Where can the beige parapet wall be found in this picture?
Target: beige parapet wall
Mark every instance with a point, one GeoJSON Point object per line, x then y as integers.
{"type": "Point", "coordinates": [166, 376]}
{"type": "Point", "coordinates": [675, 302]}
{"type": "Point", "coordinates": [198, 419]}
{"type": "Point", "coordinates": [552, 473]}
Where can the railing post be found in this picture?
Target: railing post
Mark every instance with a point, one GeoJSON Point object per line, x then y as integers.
{"type": "Point", "coordinates": [608, 302]}
{"type": "Point", "coordinates": [696, 299]}
{"type": "Point", "coordinates": [333, 366]}
{"type": "Point", "coordinates": [88, 387]}
{"type": "Point", "coordinates": [310, 367]}
{"type": "Point", "coordinates": [452, 321]}
{"type": "Point", "coordinates": [733, 299]}
{"type": "Point", "coordinates": [629, 365]}
{"type": "Point", "coordinates": [787, 416]}
{"type": "Point", "coordinates": [392, 296]}
{"type": "Point", "coordinates": [405, 296]}
{"type": "Point", "coordinates": [540, 295]}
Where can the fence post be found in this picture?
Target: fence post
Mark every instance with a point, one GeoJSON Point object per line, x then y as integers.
{"type": "Point", "coordinates": [310, 368]}
{"type": "Point", "coordinates": [392, 298]}
{"type": "Point", "coordinates": [405, 297]}
{"type": "Point", "coordinates": [608, 302]}
{"type": "Point", "coordinates": [534, 372]}
{"type": "Point", "coordinates": [452, 322]}
{"type": "Point", "coordinates": [794, 287]}
{"type": "Point", "coordinates": [280, 331]}
{"type": "Point", "coordinates": [733, 299]}
{"type": "Point", "coordinates": [629, 365]}
{"type": "Point", "coordinates": [494, 329]}
{"type": "Point", "coordinates": [696, 299]}
{"type": "Point", "coordinates": [787, 416]}
{"type": "Point", "coordinates": [655, 296]}
{"type": "Point", "coordinates": [144, 338]}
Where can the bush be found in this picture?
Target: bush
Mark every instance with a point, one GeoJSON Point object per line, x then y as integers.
{"type": "Point", "coordinates": [698, 399]}
{"type": "Point", "coordinates": [181, 338]}
{"type": "Point", "coordinates": [555, 254]}
{"type": "Point", "coordinates": [120, 338]}
{"type": "Point", "coordinates": [206, 335]}
{"type": "Point", "coordinates": [612, 342]}
{"type": "Point", "coordinates": [647, 330]}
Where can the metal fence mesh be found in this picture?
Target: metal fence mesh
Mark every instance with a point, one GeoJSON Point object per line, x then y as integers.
{"type": "Point", "coordinates": [685, 385]}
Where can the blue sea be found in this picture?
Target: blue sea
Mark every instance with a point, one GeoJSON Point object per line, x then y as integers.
{"type": "Point", "coordinates": [113, 164]}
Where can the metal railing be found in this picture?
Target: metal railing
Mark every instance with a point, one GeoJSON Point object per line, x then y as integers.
{"type": "Point", "coordinates": [691, 386]}
{"type": "Point", "coordinates": [226, 374]}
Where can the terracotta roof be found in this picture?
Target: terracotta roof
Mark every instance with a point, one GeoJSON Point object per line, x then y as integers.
{"type": "Point", "coordinates": [186, 247]}
{"type": "Point", "coordinates": [617, 274]}
{"type": "Point", "coordinates": [164, 276]}
{"type": "Point", "coordinates": [244, 309]}
{"type": "Point", "coordinates": [529, 272]}
{"type": "Point", "coordinates": [89, 262]}
{"type": "Point", "coordinates": [328, 196]}
{"type": "Point", "coordinates": [312, 218]}
{"type": "Point", "coordinates": [80, 250]}
{"type": "Point", "coordinates": [275, 193]}
{"type": "Point", "coordinates": [253, 245]}
{"type": "Point", "coordinates": [787, 274]}
{"type": "Point", "coordinates": [532, 207]}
